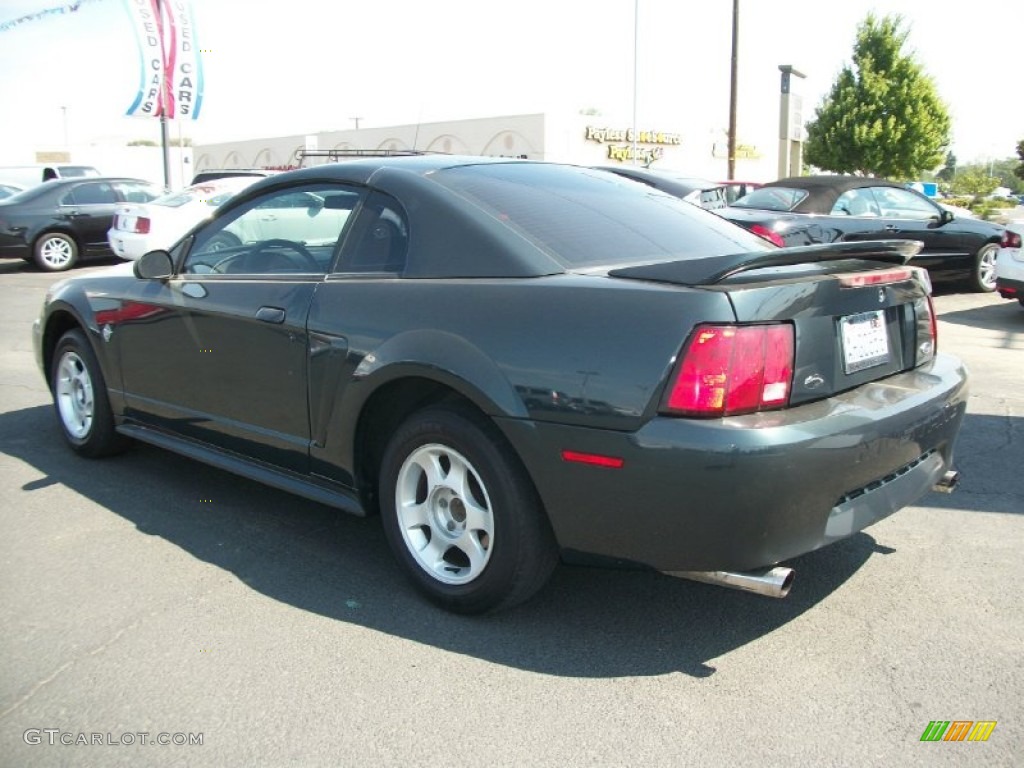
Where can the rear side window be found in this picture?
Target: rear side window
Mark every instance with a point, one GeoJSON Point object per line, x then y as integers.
{"type": "Point", "coordinates": [94, 193]}
{"type": "Point", "coordinates": [772, 199]}
{"type": "Point", "coordinates": [379, 240]}
{"type": "Point", "coordinates": [590, 218]}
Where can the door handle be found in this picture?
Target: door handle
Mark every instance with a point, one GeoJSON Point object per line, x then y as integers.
{"type": "Point", "coordinates": [274, 315]}
{"type": "Point", "coordinates": [891, 228]}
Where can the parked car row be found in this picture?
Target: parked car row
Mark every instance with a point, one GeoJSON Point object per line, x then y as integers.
{"type": "Point", "coordinates": [812, 210]}
{"type": "Point", "coordinates": [61, 221]}
{"type": "Point", "coordinates": [514, 362]}
{"type": "Point", "coordinates": [57, 225]}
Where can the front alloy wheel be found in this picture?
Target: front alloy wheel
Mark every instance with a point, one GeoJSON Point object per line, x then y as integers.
{"type": "Point", "coordinates": [73, 395]}
{"type": "Point", "coordinates": [461, 514]}
{"type": "Point", "coordinates": [80, 398]}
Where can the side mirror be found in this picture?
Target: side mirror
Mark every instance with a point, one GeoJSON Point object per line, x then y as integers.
{"type": "Point", "coordinates": [154, 265]}
{"type": "Point", "coordinates": [945, 217]}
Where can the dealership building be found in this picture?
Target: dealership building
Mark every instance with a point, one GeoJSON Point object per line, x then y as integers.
{"type": "Point", "coordinates": [578, 139]}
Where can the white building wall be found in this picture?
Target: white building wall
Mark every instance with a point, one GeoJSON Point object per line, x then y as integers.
{"type": "Point", "coordinates": [570, 138]}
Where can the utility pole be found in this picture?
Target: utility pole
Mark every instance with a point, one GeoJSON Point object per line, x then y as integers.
{"type": "Point", "coordinates": [731, 173]}
{"type": "Point", "coordinates": [356, 121]}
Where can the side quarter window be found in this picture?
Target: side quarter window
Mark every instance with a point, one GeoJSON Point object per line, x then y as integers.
{"type": "Point", "coordinates": [294, 230]}
{"type": "Point", "coordinates": [379, 239]}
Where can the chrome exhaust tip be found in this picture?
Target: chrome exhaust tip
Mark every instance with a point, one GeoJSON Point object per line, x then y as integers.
{"type": "Point", "coordinates": [948, 482]}
{"type": "Point", "coordinates": [774, 582]}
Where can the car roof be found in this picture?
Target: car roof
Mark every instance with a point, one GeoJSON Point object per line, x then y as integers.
{"type": "Point", "coordinates": [824, 190]}
{"type": "Point", "coordinates": [836, 182]}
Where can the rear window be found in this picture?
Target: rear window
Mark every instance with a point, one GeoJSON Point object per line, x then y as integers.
{"type": "Point", "coordinates": [76, 171]}
{"type": "Point", "coordinates": [588, 218]}
{"type": "Point", "coordinates": [772, 199]}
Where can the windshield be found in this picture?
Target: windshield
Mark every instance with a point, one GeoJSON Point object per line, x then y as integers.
{"type": "Point", "coordinates": [589, 218]}
{"type": "Point", "coordinates": [26, 195]}
{"type": "Point", "coordinates": [772, 199]}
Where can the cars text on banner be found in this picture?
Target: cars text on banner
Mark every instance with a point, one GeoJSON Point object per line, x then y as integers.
{"type": "Point", "coordinates": [170, 69]}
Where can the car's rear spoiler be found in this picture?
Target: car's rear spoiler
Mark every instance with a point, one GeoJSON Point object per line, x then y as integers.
{"type": "Point", "coordinates": [714, 269]}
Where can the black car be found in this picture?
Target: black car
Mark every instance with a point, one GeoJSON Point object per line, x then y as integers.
{"type": "Point", "coordinates": [58, 222]}
{"type": "Point", "coordinates": [808, 210]}
{"type": "Point", "coordinates": [516, 361]}
{"type": "Point", "coordinates": [706, 194]}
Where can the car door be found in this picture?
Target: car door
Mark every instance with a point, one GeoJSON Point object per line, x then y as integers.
{"type": "Point", "coordinates": [88, 209]}
{"type": "Point", "coordinates": [219, 352]}
{"type": "Point", "coordinates": [908, 215]}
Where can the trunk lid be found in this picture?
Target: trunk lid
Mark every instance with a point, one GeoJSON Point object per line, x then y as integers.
{"type": "Point", "coordinates": [857, 311]}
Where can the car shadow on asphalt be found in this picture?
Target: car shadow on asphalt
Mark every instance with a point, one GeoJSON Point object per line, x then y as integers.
{"type": "Point", "coordinates": [587, 622]}
{"type": "Point", "coordinates": [1007, 318]}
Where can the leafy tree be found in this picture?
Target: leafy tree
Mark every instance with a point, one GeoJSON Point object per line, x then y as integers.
{"type": "Point", "coordinates": [883, 116]}
{"type": "Point", "coordinates": [949, 169]}
{"type": "Point", "coordinates": [974, 181]}
{"type": "Point", "coordinates": [1019, 170]}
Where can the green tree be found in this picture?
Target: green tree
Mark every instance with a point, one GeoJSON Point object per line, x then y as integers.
{"type": "Point", "coordinates": [883, 116]}
{"type": "Point", "coordinates": [949, 169]}
{"type": "Point", "coordinates": [974, 181]}
{"type": "Point", "coordinates": [1019, 170]}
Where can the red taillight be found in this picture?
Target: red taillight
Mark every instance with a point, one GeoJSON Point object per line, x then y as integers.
{"type": "Point", "coordinates": [731, 369]}
{"type": "Point", "coordinates": [1010, 240]}
{"type": "Point", "coordinates": [142, 225]}
{"type": "Point", "coordinates": [927, 331]}
{"type": "Point", "coordinates": [768, 234]}
{"type": "Point", "coordinates": [879, 277]}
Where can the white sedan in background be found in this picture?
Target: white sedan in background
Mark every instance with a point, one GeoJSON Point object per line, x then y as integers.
{"type": "Point", "coordinates": [1010, 263]}
{"type": "Point", "coordinates": [160, 223]}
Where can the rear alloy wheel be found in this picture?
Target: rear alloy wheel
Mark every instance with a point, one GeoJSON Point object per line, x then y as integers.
{"type": "Point", "coordinates": [984, 277]}
{"type": "Point", "coordinates": [55, 252]}
{"type": "Point", "coordinates": [461, 514]}
{"type": "Point", "coordinates": [80, 399]}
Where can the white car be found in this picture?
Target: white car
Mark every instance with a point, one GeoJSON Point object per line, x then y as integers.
{"type": "Point", "coordinates": [160, 223]}
{"type": "Point", "coordinates": [1010, 263]}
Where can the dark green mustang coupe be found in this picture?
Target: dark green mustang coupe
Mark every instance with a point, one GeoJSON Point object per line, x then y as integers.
{"type": "Point", "coordinates": [515, 362]}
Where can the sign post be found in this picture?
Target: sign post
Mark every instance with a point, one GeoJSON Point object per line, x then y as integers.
{"type": "Point", "coordinates": [791, 124]}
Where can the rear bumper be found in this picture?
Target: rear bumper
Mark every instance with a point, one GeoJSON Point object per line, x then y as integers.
{"type": "Point", "coordinates": [750, 491]}
{"type": "Point", "coordinates": [1009, 288]}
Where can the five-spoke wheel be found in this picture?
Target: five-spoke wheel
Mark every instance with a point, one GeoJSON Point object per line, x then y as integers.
{"type": "Point", "coordinates": [461, 513]}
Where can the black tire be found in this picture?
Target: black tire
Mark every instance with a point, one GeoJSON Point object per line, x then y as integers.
{"type": "Point", "coordinates": [80, 399]}
{"type": "Point", "coordinates": [983, 276]}
{"type": "Point", "coordinates": [55, 252]}
{"type": "Point", "coordinates": [503, 524]}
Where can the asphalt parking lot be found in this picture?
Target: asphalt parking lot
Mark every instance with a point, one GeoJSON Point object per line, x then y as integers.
{"type": "Point", "coordinates": [148, 598]}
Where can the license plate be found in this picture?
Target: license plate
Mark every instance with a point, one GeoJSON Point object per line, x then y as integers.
{"type": "Point", "coordinates": [865, 340]}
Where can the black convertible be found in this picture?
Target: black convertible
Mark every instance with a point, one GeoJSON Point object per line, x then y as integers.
{"type": "Point", "coordinates": [807, 210]}
{"type": "Point", "coordinates": [513, 362]}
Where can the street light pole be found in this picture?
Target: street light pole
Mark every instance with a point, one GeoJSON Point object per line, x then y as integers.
{"type": "Point", "coordinates": [636, 18]}
{"type": "Point", "coordinates": [731, 172]}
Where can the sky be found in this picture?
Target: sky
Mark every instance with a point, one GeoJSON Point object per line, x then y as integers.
{"type": "Point", "coordinates": [276, 67]}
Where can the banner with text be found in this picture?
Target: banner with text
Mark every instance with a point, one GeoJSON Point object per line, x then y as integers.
{"type": "Point", "coordinates": [171, 74]}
